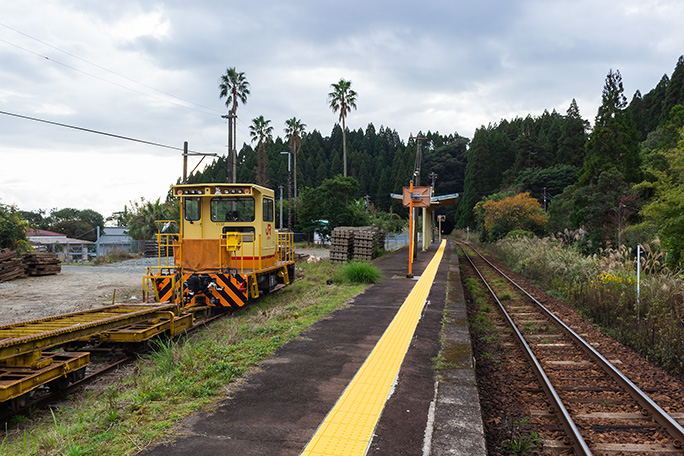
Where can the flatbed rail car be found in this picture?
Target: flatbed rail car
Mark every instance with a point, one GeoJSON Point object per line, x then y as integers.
{"type": "Point", "coordinates": [27, 359]}
{"type": "Point", "coordinates": [226, 250]}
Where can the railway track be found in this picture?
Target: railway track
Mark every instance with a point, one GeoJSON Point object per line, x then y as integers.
{"type": "Point", "coordinates": [589, 406]}
{"type": "Point", "coordinates": [103, 361]}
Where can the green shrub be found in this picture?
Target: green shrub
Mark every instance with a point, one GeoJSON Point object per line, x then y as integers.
{"type": "Point", "coordinates": [358, 272]}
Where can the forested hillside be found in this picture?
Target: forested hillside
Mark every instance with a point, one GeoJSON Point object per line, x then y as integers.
{"type": "Point", "coordinates": [615, 179]}
{"type": "Point", "coordinates": [379, 160]}
{"type": "Point", "coordinates": [618, 180]}
{"type": "Point", "coordinates": [530, 154]}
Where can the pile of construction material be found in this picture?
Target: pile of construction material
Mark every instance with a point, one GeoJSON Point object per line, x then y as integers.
{"type": "Point", "coordinates": [41, 263]}
{"type": "Point", "coordinates": [11, 267]}
{"type": "Point", "coordinates": [358, 243]}
{"type": "Point", "coordinates": [153, 249]}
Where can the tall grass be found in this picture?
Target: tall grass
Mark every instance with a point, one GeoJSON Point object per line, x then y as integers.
{"type": "Point", "coordinates": [358, 272]}
{"type": "Point", "coordinates": [604, 287]}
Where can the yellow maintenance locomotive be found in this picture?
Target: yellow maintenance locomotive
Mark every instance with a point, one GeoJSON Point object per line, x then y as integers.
{"type": "Point", "coordinates": [226, 250]}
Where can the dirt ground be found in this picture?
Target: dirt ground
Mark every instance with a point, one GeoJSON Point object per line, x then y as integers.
{"type": "Point", "coordinates": [79, 288]}
{"type": "Point", "coordinates": [76, 288]}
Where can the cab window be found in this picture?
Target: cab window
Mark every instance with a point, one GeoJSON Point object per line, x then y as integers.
{"type": "Point", "coordinates": [232, 209]}
{"type": "Point", "coordinates": [193, 209]}
{"type": "Point", "coordinates": [268, 208]}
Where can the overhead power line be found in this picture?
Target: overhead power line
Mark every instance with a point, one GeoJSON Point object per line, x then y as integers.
{"type": "Point", "coordinates": [98, 132]}
{"type": "Point", "coordinates": [204, 110]}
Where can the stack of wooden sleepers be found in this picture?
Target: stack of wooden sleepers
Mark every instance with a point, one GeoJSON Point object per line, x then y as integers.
{"type": "Point", "coordinates": [41, 263]}
{"type": "Point", "coordinates": [11, 267]}
{"type": "Point", "coordinates": [359, 243]}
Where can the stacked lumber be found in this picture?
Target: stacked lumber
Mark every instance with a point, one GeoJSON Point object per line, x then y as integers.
{"type": "Point", "coordinates": [11, 267]}
{"type": "Point", "coordinates": [41, 263]}
{"type": "Point", "coordinates": [341, 243]}
{"type": "Point", "coordinates": [359, 243]}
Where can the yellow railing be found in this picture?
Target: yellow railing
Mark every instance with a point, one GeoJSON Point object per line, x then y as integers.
{"type": "Point", "coordinates": [162, 272]}
{"type": "Point", "coordinates": [234, 245]}
{"type": "Point", "coordinates": [237, 246]}
{"type": "Point", "coordinates": [285, 248]}
{"type": "Point", "coordinates": [165, 240]}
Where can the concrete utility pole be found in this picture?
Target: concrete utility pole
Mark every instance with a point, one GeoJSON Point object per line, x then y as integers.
{"type": "Point", "coordinates": [231, 172]}
{"type": "Point", "coordinates": [281, 207]}
{"type": "Point", "coordinates": [185, 162]}
{"type": "Point", "coordinates": [419, 157]}
{"type": "Point", "coordinates": [289, 190]}
{"type": "Point", "coordinates": [433, 176]}
{"type": "Point", "coordinates": [233, 146]}
{"type": "Point", "coordinates": [419, 160]}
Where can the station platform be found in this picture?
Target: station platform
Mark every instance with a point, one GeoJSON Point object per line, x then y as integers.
{"type": "Point", "coordinates": [290, 405]}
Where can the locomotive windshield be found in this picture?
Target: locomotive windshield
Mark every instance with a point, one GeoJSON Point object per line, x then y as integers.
{"type": "Point", "coordinates": [232, 209]}
{"type": "Point", "coordinates": [193, 208]}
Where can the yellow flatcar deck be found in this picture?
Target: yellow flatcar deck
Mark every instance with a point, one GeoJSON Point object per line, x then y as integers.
{"type": "Point", "coordinates": [348, 427]}
{"type": "Point", "coordinates": [26, 337]}
{"type": "Point", "coordinates": [15, 382]}
{"type": "Point", "coordinates": [147, 329]}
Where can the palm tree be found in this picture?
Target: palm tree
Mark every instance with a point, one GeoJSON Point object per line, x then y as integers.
{"type": "Point", "coordinates": [233, 87]}
{"type": "Point", "coordinates": [342, 98]}
{"type": "Point", "coordinates": [261, 131]}
{"type": "Point", "coordinates": [293, 133]}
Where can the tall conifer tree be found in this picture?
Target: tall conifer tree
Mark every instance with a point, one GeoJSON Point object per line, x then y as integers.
{"type": "Point", "coordinates": [614, 142]}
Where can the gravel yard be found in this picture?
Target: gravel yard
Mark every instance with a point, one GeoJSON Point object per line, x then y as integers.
{"type": "Point", "coordinates": [79, 288]}
{"type": "Point", "coordinates": [75, 289]}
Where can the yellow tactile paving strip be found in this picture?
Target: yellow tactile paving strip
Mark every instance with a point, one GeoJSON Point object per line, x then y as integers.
{"type": "Point", "coordinates": [349, 426]}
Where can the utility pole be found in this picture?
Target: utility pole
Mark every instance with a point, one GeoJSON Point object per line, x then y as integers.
{"type": "Point", "coordinates": [419, 157]}
{"type": "Point", "coordinates": [232, 161]}
{"type": "Point", "coordinates": [289, 190]}
{"type": "Point", "coordinates": [281, 207]}
{"type": "Point", "coordinates": [185, 162]}
{"type": "Point", "coordinates": [233, 146]}
{"type": "Point", "coordinates": [186, 154]}
{"type": "Point", "coordinates": [433, 176]}
{"type": "Point", "coordinates": [419, 160]}
{"type": "Point", "coordinates": [229, 157]}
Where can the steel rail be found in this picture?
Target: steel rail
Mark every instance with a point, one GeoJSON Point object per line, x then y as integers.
{"type": "Point", "coordinates": [576, 440]}
{"type": "Point", "coordinates": [658, 414]}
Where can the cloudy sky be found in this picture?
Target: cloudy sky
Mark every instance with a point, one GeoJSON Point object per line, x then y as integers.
{"type": "Point", "coordinates": [149, 70]}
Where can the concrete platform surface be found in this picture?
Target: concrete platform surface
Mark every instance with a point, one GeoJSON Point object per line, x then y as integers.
{"type": "Point", "coordinates": [430, 412]}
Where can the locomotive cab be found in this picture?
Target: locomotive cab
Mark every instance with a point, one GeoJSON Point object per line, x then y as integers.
{"type": "Point", "coordinates": [227, 251]}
